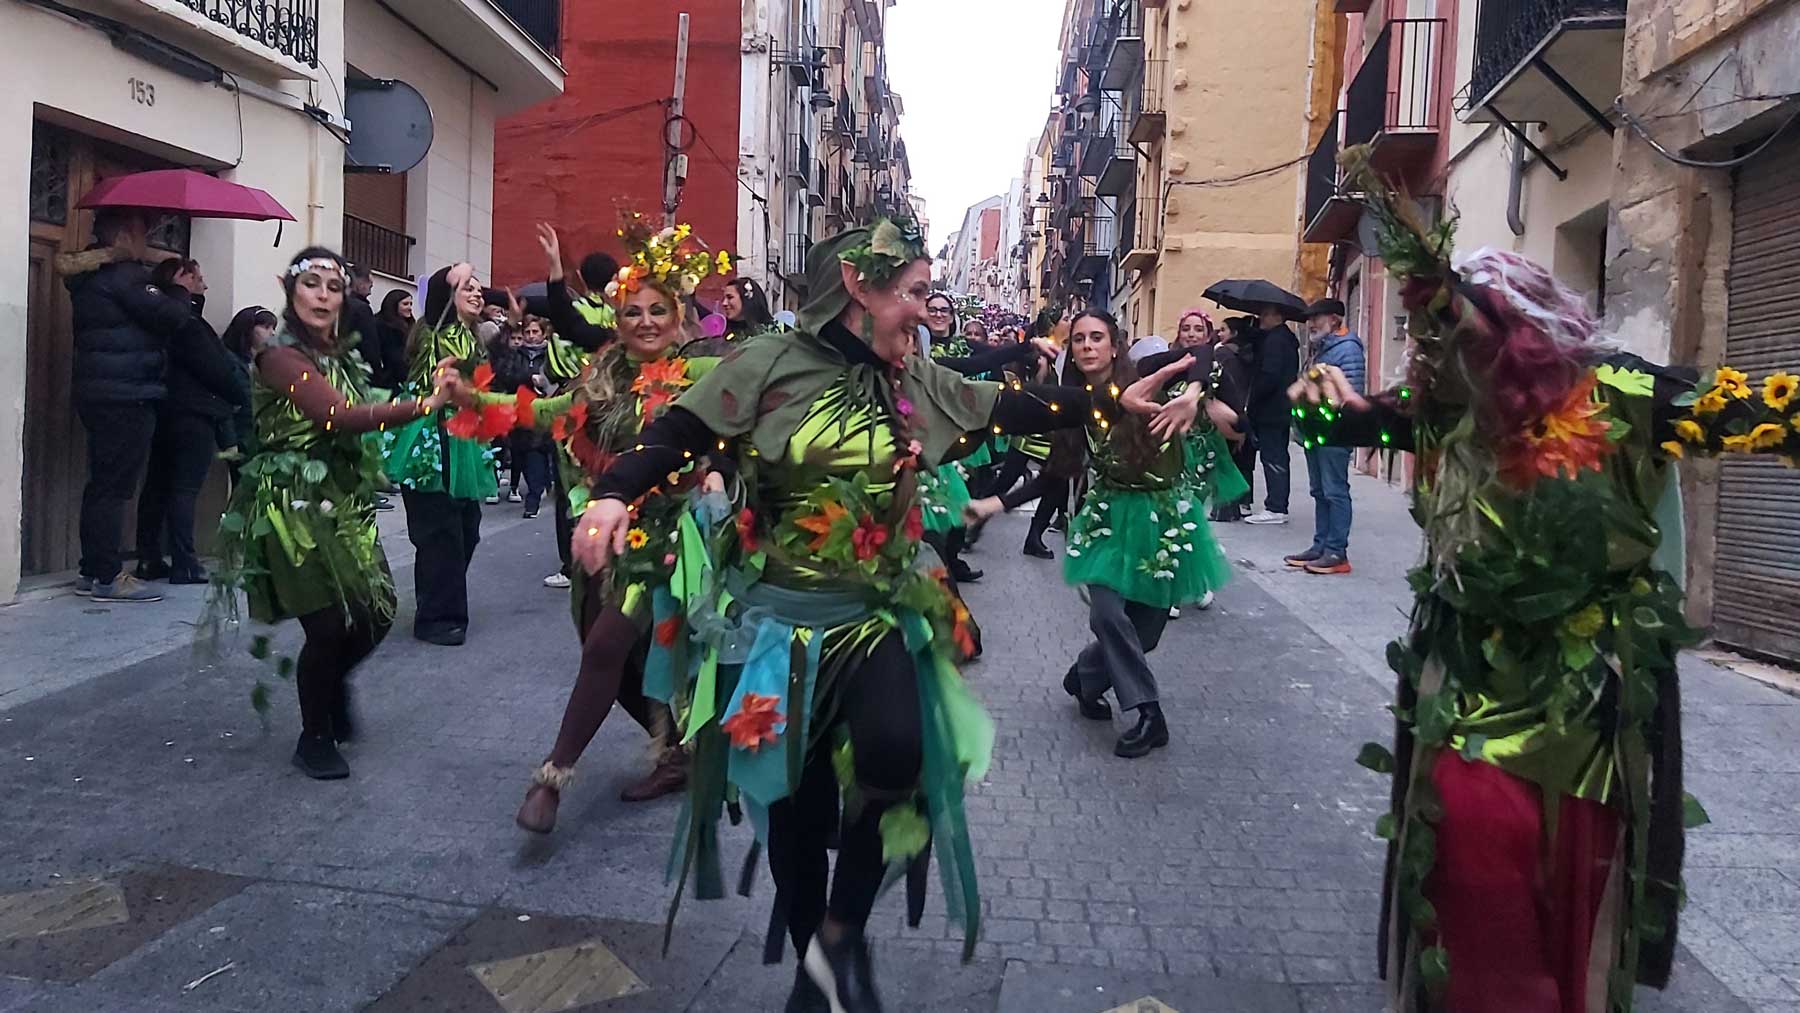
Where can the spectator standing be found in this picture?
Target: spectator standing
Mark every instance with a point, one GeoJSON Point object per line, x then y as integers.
{"type": "Point", "coordinates": [1277, 367]}
{"type": "Point", "coordinates": [248, 333]}
{"type": "Point", "coordinates": [746, 308]}
{"type": "Point", "coordinates": [523, 365]}
{"type": "Point", "coordinates": [203, 393]}
{"type": "Point", "coordinates": [359, 319]}
{"type": "Point", "coordinates": [393, 324]}
{"type": "Point", "coordinates": [1328, 468]}
{"type": "Point", "coordinates": [123, 327]}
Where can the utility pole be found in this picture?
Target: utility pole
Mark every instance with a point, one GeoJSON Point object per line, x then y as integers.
{"type": "Point", "coordinates": [675, 171]}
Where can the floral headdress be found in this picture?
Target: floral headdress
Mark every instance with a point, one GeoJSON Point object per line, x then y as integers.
{"type": "Point", "coordinates": [670, 260]}
{"type": "Point", "coordinates": [893, 244]}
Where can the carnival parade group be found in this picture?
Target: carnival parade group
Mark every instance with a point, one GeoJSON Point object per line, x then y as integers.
{"type": "Point", "coordinates": [764, 525]}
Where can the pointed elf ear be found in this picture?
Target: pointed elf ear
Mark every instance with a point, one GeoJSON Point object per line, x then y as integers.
{"type": "Point", "coordinates": [854, 283]}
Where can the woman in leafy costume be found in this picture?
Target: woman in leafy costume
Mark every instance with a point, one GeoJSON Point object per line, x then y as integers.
{"type": "Point", "coordinates": [1141, 544]}
{"type": "Point", "coordinates": [821, 665]}
{"type": "Point", "coordinates": [624, 387]}
{"type": "Point", "coordinates": [299, 535]}
{"type": "Point", "coordinates": [443, 473]}
{"type": "Point", "coordinates": [1538, 811]}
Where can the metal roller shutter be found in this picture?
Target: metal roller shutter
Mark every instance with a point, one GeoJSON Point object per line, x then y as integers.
{"type": "Point", "coordinates": [1756, 596]}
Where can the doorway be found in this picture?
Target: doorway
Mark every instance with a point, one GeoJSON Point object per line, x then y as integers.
{"type": "Point", "coordinates": [65, 165]}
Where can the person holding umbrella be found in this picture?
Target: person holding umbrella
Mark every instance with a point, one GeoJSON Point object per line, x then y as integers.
{"type": "Point", "coordinates": [1277, 366]}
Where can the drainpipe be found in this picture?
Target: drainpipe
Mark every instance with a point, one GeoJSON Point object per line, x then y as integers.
{"type": "Point", "coordinates": [1515, 191]}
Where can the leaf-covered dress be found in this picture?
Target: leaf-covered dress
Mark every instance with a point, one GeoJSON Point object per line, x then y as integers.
{"type": "Point", "coordinates": [1143, 531]}
{"type": "Point", "coordinates": [421, 455]}
{"type": "Point", "coordinates": [299, 534]}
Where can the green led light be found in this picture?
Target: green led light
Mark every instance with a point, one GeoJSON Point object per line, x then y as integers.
{"type": "Point", "coordinates": [1385, 437]}
{"type": "Point", "coordinates": [1405, 392]}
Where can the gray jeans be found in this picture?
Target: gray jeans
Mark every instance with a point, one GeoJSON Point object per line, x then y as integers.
{"type": "Point", "coordinates": [1124, 632]}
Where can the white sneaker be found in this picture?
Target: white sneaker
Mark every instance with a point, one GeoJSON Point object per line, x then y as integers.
{"type": "Point", "coordinates": [556, 580]}
{"type": "Point", "coordinates": [1266, 517]}
{"type": "Point", "coordinates": [1205, 601]}
{"type": "Point", "coordinates": [1174, 612]}
{"type": "Point", "coordinates": [491, 500]}
{"type": "Point", "coordinates": [514, 497]}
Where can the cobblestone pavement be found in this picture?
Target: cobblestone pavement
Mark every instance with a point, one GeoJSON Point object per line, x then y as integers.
{"type": "Point", "coordinates": [186, 866]}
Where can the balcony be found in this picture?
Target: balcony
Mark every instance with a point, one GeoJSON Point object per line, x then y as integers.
{"type": "Point", "coordinates": [1125, 53]}
{"type": "Point", "coordinates": [377, 248]}
{"type": "Point", "coordinates": [1145, 234]}
{"type": "Point", "coordinates": [1149, 118]}
{"type": "Point", "coordinates": [1353, 6]}
{"type": "Point", "coordinates": [794, 247]}
{"type": "Point", "coordinates": [1556, 62]}
{"type": "Point", "coordinates": [1119, 175]}
{"type": "Point", "coordinates": [799, 164]}
{"type": "Point", "coordinates": [1331, 215]}
{"type": "Point", "coordinates": [815, 194]}
{"type": "Point", "coordinates": [273, 40]}
{"type": "Point", "coordinates": [511, 44]}
{"type": "Point", "coordinates": [1393, 103]}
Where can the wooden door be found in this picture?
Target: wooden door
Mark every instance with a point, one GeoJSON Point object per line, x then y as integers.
{"type": "Point", "coordinates": [64, 166]}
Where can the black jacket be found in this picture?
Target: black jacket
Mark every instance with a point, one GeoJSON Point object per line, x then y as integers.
{"type": "Point", "coordinates": [201, 376]}
{"type": "Point", "coordinates": [391, 373]}
{"type": "Point", "coordinates": [123, 325]}
{"type": "Point", "coordinates": [359, 319]}
{"type": "Point", "coordinates": [1277, 367]}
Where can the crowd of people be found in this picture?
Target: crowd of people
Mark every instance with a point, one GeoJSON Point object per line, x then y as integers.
{"type": "Point", "coordinates": [761, 524]}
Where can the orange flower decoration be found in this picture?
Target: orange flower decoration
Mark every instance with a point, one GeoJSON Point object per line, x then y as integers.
{"type": "Point", "coordinates": [483, 377]}
{"type": "Point", "coordinates": [497, 420]}
{"type": "Point", "coordinates": [746, 529]}
{"type": "Point", "coordinates": [570, 422]}
{"type": "Point", "coordinates": [820, 524]}
{"type": "Point", "coordinates": [754, 724]}
{"type": "Point", "coordinates": [914, 525]}
{"type": "Point", "coordinates": [1567, 441]}
{"type": "Point", "coordinates": [526, 418]}
{"type": "Point", "coordinates": [662, 372]}
{"type": "Point", "coordinates": [868, 538]}
{"type": "Point", "coordinates": [654, 402]}
{"type": "Point", "coordinates": [959, 627]}
{"type": "Point", "coordinates": [464, 424]}
{"type": "Point", "coordinates": [668, 630]}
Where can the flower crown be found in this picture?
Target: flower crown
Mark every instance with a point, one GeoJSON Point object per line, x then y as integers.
{"type": "Point", "coordinates": [893, 244]}
{"type": "Point", "coordinates": [671, 260]}
{"type": "Point", "coordinates": [316, 264]}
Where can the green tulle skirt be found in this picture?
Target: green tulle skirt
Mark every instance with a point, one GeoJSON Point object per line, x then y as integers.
{"type": "Point", "coordinates": [1152, 547]}
{"type": "Point", "coordinates": [981, 458]}
{"type": "Point", "coordinates": [943, 492]}
{"type": "Point", "coordinates": [413, 457]}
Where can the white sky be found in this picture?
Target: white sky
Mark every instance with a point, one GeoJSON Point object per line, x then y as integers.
{"type": "Point", "coordinates": [977, 77]}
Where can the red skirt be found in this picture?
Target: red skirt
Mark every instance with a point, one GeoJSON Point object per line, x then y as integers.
{"type": "Point", "coordinates": [1526, 919]}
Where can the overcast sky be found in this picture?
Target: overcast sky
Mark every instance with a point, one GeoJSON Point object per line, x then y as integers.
{"type": "Point", "coordinates": [977, 78]}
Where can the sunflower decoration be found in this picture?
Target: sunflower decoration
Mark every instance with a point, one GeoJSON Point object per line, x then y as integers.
{"type": "Point", "coordinates": [670, 259]}
{"type": "Point", "coordinates": [1779, 390]}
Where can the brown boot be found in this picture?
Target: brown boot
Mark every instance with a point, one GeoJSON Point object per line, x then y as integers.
{"type": "Point", "coordinates": [538, 813]}
{"type": "Point", "coordinates": [669, 776]}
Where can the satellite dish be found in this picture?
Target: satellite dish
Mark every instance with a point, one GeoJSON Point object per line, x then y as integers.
{"type": "Point", "coordinates": [1368, 236]}
{"type": "Point", "coordinates": [390, 126]}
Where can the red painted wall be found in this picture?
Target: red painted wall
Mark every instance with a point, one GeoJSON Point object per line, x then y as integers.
{"type": "Point", "coordinates": [990, 234]}
{"type": "Point", "coordinates": [573, 160]}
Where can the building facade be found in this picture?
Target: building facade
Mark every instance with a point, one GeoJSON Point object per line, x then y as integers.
{"type": "Point", "coordinates": [255, 95]}
{"type": "Point", "coordinates": [1643, 152]}
{"type": "Point", "coordinates": [973, 265]}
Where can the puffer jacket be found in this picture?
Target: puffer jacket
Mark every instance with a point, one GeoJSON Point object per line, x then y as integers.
{"type": "Point", "coordinates": [123, 325]}
{"type": "Point", "coordinates": [1345, 351]}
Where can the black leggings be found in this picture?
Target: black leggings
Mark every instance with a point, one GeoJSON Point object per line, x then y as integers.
{"type": "Point", "coordinates": [335, 644]}
{"type": "Point", "coordinates": [878, 698]}
{"type": "Point", "coordinates": [612, 670]}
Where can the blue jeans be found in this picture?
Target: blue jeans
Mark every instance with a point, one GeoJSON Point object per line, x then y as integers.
{"type": "Point", "coordinates": [1328, 473]}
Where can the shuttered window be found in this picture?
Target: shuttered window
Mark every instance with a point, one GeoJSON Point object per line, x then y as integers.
{"type": "Point", "coordinates": [1756, 581]}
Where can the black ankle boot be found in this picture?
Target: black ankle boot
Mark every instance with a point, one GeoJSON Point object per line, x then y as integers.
{"type": "Point", "coordinates": [806, 996]}
{"type": "Point", "coordinates": [343, 716]}
{"type": "Point", "coordinates": [1096, 709]}
{"type": "Point", "coordinates": [844, 970]}
{"type": "Point", "coordinates": [1035, 547]}
{"type": "Point", "coordinates": [318, 758]}
{"type": "Point", "coordinates": [1150, 732]}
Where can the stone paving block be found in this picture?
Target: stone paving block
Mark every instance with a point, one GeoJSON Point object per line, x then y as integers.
{"type": "Point", "coordinates": [149, 902]}
{"type": "Point", "coordinates": [912, 980]}
{"type": "Point", "coordinates": [1032, 988]}
{"type": "Point", "coordinates": [68, 907]}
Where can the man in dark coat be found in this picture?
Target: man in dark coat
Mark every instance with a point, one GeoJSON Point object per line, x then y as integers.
{"type": "Point", "coordinates": [203, 395]}
{"type": "Point", "coordinates": [123, 326]}
{"type": "Point", "coordinates": [1277, 367]}
{"type": "Point", "coordinates": [359, 319]}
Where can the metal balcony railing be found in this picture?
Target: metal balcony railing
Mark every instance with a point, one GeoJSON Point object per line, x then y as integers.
{"type": "Point", "coordinates": [1398, 88]}
{"type": "Point", "coordinates": [1323, 175]}
{"type": "Point", "coordinates": [1507, 31]}
{"type": "Point", "coordinates": [799, 159]}
{"type": "Point", "coordinates": [376, 247]}
{"type": "Point", "coordinates": [1148, 116]}
{"type": "Point", "coordinates": [289, 27]}
{"type": "Point", "coordinates": [540, 19]}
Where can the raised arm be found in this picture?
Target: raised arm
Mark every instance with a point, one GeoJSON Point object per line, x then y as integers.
{"type": "Point", "coordinates": [324, 405]}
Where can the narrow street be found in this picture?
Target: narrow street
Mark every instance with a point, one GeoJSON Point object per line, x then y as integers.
{"type": "Point", "coordinates": [183, 864]}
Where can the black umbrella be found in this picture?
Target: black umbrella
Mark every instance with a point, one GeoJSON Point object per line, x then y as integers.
{"type": "Point", "coordinates": [535, 297]}
{"type": "Point", "coordinates": [1251, 296]}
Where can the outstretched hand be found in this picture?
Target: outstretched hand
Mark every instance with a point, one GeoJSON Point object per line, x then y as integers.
{"type": "Point", "coordinates": [600, 534]}
{"type": "Point", "coordinates": [1177, 417]}
{"type": "Point", "coordinates": [1326, 385]}
{"type": "Point", "coordinates": [552, 247]}
{"type": "Point", "coordinates": [448, 386]}
{"type": "Point", "coordinates": [1140, 397]}
{"type": "Point", "coordinates": [979, 511]}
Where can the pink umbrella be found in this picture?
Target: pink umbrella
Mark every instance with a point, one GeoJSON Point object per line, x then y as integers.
{"type": "Point", "coordinates": [190, 192]}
